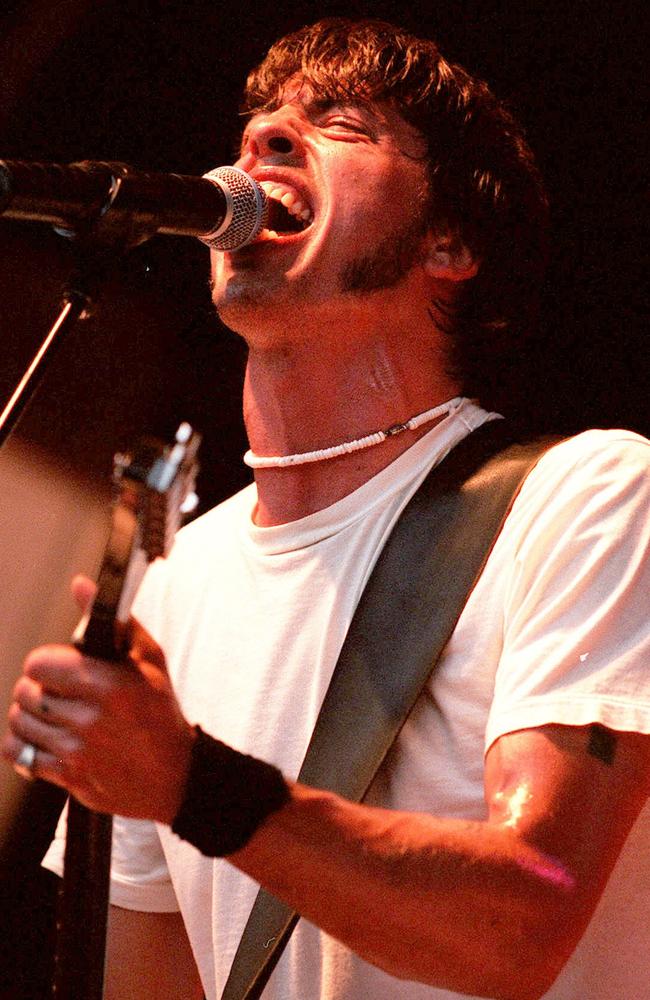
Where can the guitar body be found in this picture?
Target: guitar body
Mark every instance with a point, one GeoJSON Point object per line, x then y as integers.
{"type": "Point", "coordinates": [152, 492]}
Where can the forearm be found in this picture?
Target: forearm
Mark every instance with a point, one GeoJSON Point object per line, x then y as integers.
{"type": "Point", "coordinates": [149, 958]}
{"type": "Point", "coordinates": [466, 906]}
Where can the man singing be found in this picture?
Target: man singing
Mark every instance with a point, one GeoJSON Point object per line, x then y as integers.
{"type": "Point", "coordinates": [503, 849]}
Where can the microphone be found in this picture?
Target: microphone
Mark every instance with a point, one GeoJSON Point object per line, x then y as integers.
{"type": "Point", "coordinates": [226, 209]}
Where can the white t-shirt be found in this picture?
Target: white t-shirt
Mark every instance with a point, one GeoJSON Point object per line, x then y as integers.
{"type": "Point", "coordinates": [252, 620]}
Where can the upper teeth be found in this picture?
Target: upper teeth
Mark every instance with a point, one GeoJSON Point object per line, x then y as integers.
{"type": "Point", "coordinates": [289, 197]}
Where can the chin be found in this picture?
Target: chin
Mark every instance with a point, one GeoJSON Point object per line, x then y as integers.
{"type": "Point", "coordinates": [250, 313]}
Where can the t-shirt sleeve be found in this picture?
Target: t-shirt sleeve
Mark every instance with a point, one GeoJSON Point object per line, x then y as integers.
{"type": "Point", "coordinates": [576, 645]}
{"type": "Point", "coordinates": [139, 876]}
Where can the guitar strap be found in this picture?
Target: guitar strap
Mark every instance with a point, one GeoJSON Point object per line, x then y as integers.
{"type": "Point", "coordinates": [405, 617]}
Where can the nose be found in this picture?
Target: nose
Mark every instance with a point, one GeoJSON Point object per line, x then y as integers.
{"type": "Point", "coordinates": [276, 134]}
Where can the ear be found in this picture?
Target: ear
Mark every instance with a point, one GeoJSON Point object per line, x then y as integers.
{"type": "Point", "coordinates": [448, 258]}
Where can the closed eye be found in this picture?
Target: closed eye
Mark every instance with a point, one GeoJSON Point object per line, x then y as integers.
{"type": "Point", "coordinates": [345, 123]}
{"type": "Point", "coordinates": [345, 127]}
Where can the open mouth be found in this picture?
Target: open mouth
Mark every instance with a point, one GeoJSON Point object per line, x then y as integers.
{"type": "Point", "coordinates": [288, 211]}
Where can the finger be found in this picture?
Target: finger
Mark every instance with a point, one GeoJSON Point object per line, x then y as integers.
{"type": "Point", "coordinates": [142, 647]}
{"type": "Point", "coordinates": [83, 590]}
{"type": "Point", "coordinates": [44, 764]}
{"type": "Point", "coordinates": [65, 671]}
{"type": "Point", "coordinates": [29, 729]}
{"type": "Point", "coordinates": [22, 756]}
{"type": "Point", "coordinates": [53, 708]}
{"type": "Point", "coordinates": [29, 695]}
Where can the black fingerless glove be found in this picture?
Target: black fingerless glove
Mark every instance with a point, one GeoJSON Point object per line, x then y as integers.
{"type": "Point", "coordinates": [228, 795]}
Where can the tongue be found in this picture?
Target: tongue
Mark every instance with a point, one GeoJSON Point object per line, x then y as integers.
{"type": "Point", "coordinates": [282, 221]}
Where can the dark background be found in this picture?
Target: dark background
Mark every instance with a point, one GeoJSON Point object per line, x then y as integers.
{"type": "Point", "coordinates": [157, 85]}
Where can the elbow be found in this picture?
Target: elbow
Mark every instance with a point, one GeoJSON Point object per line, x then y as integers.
{"type": "Point", "coordinates": [523, 976]}
{"type": "Point", "coordinates": [524, 967]}
{"type": "Point", "coordinates": [514, 959]}
{"type": "Point", "coordinates": [528, 963]}
{"type": "Point", "coordinates": [524, 983]}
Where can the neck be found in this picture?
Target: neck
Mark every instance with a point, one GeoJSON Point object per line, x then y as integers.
{"type": "Point", "coordinates": [298, 399]}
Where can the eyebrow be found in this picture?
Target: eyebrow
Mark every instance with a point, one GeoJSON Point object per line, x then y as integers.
{"type": "Point", "coordinates": [342, 101]}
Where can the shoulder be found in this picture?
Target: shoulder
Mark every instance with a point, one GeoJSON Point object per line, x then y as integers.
{"type": "Point", "coordinates": [607, 464]}
{"type": "Point", "coordinates": [594, 485]}
{"type": "Point", "coordinates": [600, 447]}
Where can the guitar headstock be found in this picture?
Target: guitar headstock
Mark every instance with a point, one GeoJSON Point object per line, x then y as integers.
{"type": "Point", "coordinates": [154, 490]}
{"type": "Point", "coordinates": [156, 481]}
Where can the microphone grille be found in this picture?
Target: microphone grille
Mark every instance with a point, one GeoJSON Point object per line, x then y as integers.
{"type": "Point", "coordinates": [246, 212]}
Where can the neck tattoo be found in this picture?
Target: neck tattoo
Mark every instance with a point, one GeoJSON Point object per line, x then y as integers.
{"type": "Point", "coordinates": [302, 458]}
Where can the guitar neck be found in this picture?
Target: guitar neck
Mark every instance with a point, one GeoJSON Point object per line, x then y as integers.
{"type": "Point", "coordinates": [151, 490]}
{"type": "Point", "coordinates": [84, 891]}
{"type": "Point", "coordinates": [83, 905]}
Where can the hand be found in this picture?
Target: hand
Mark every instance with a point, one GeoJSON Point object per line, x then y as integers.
{"type": "Point", "coordinates": [112, 734]}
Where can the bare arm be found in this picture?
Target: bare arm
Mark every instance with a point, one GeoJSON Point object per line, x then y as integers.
{"type": "Point", "coordinates": [149, 958]}
{"type": "Point", "coordinates": [489, 908]}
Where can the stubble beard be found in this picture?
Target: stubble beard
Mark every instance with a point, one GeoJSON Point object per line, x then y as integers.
{"type": "Point", "coordinates": [392, 258]}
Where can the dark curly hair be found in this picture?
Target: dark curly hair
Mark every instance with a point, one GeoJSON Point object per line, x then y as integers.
{"type": "Point", "coordinates": [484, 185]}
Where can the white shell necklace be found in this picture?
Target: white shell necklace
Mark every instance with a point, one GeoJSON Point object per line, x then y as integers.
{"type": "Point", "coordinates": [283, 461]}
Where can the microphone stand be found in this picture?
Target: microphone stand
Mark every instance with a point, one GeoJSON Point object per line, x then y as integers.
{"type": "Point", "coordinates": [83, 894]}
{"type": "Point", "coordinates": [99, 241]}
{"type": "Point", "coordinates": [76, 306]}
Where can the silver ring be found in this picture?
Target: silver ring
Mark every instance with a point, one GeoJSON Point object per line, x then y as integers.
{"type": "Point", "coordinates": [25, 760]}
